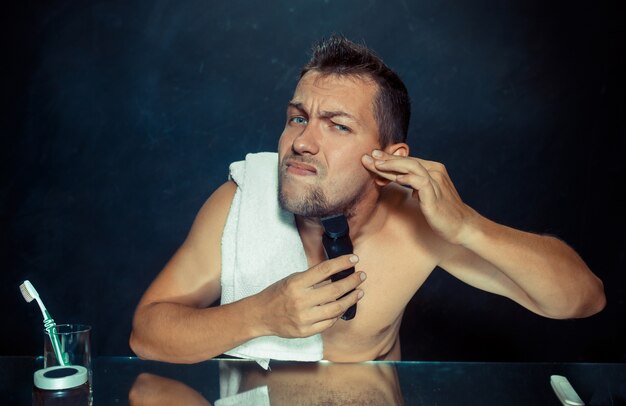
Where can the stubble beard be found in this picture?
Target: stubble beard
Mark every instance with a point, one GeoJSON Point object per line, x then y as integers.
{"type": "Point", "coordinates": [313, 201]}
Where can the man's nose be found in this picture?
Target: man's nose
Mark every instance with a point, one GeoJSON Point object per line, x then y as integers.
{"type": "Point", "coordinates": [306, 143]}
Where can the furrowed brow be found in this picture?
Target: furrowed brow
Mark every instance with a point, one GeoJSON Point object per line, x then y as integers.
{"type": "Point", "coordinates": [331, 114]}
{"type": "Point", "coordinates": [323, 114]}
{"type": "Point", "coordinates": [297, 106]}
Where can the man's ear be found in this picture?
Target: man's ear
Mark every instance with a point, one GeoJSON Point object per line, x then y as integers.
{"type": "Point", "coordinates": [399, 149]}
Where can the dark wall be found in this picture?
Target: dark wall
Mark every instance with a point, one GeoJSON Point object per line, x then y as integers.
{"type": "Point", "coordinates": [120, 118]}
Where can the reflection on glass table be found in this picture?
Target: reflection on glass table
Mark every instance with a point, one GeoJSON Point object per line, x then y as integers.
{"type": "Point", "coordinates": [243, 382]}
{"type": "Point", "coordinates": [123, 380]}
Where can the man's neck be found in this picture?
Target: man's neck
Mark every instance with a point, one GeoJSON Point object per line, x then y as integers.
{"type": "Point", "coordinates": [365, 219]}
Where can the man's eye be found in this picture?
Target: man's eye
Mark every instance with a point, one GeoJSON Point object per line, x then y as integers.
{"type": "Point", "coordinates": [298, 120]}
{"type": "Point", "coordinates": [342, 128]}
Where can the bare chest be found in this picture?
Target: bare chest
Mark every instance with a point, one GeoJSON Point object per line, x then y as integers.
{"type": "Point", "coordinates": [394, 274]}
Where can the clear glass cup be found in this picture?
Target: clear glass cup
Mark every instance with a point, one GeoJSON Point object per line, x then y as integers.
{"type": "Point", "coordinates": [74, 342]}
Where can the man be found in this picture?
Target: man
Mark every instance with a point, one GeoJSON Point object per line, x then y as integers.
{"type": "Point", "coordinates": [343, 150]}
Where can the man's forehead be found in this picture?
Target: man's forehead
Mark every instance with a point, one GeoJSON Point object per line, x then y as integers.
{"type": "Point", "coordinates": [332, 81]}
{"type": "Point", "coordinates": [347, 93]}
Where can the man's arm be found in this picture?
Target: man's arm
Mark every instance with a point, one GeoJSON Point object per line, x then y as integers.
{"type": "Point", "coordinates": [173, 323]}
{"type": "Point", "coordinates": [539, 272]}
{"type": "Point", "coordinates": [154, 390]}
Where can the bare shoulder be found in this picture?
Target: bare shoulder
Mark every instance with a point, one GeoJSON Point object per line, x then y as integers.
{"type": "Point", "coordinates": [406, 219]}
{"type": "Point", "coordinates": [212, 216]}
{"type": "Point", "coordinates": [407, 227]}
{"type": "Point", "coordinates": [192, 276]}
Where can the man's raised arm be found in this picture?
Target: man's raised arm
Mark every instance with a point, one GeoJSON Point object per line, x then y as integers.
{"type": "Point", "coordinates": [539, 272]}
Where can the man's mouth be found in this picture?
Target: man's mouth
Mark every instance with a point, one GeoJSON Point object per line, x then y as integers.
{"type": "Point", "coordinates": [300, 168]}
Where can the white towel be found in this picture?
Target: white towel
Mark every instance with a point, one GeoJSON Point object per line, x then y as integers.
{"type": "Point", "coordinates": [230, 382]}
{"type": "Point", "coordinates": [260, 246]}
{"type": "Point", "coordinates": [254, 397]}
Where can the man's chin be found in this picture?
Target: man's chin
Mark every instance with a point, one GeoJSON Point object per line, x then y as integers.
{"type": "Point", "coordinates": [303, 209]}
{"type": "Point", "coordinates": [310, 200]}
{"type": "Point", "coordinates": [310, 205]}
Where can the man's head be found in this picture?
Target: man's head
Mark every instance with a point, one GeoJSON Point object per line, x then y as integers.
{"type": "Point", "coordinates": [346, 104]}
{"type": "Point", "coordinates": [392, 105]}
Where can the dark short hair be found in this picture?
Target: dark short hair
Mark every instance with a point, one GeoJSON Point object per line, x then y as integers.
{"type": "Point", "coordinates": [392, 106]}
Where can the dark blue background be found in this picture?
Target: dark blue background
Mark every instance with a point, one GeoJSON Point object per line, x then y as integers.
{"type": "Point", "coordinates": [120, 118]}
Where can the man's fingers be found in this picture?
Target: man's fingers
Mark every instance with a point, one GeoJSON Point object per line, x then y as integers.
{"type": "Point", "coordinates": [370, 165]}
{"type": "Point", "coordinates": [405, 171]}
{"type": "Point", "coordinates": [322, 317]}
{"type": "Point", "coordinates": [323, 325]}
{"type": "Point", "coordinates": [391, 166]}
{"type": "Point", "coordinates": [333, 291]}
{"type": "Point", "coordinates": [337, 308]}
{"type": "Point", "coordinates": [429, 165]}
{"type": "Point", "coordinates": [324, 270]}
{"type": "Point", "coordinates": [402, 166]}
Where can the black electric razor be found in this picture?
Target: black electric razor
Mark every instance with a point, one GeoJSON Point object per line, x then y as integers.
{"type": "Point", "coordinates": [336, 241]}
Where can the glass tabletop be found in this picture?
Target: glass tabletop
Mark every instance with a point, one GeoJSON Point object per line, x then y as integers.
{"type": "Point", "coordinates": [124, 380]}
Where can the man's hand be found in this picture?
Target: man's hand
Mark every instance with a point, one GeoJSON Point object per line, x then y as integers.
{"type": "Point", "coordinates": [301, 306]}
{"type": "Point", "coordinates": [440, 202]}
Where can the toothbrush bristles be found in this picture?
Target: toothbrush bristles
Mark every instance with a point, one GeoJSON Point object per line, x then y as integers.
{"type": "Point", "coordinates": [27, 296]}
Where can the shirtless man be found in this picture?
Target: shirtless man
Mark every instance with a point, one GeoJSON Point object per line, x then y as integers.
{"type": "Point", "coordinates": [343, 150]}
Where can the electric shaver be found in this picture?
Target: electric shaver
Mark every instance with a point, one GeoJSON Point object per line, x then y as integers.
{"type": "Point", "coordinates": [336, 241]}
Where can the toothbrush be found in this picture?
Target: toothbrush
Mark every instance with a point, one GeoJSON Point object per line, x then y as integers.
{"type": "Point", "coordinates": [30, 294]}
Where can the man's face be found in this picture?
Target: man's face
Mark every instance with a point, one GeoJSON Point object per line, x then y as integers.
{"type": "Point", "coordinates": [330, 125]}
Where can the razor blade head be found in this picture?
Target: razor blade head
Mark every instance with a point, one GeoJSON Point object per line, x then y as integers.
{"type": "Point", "coordinates": [335, 226]}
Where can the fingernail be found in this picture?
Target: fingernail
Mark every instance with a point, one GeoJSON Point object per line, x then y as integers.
{"type": "Point", "coordinates": [362, 276]}
{"type": "Point", "coordinates": [368, 159]}
{"type": "Point", "coordinates": [377, 153]}
{"type": "Point", "coordinates": [359, 294]}
{"type": "Point", "coordinates": [354, 259]}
